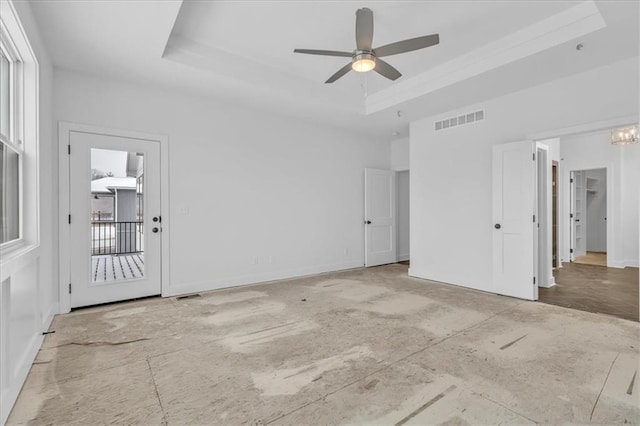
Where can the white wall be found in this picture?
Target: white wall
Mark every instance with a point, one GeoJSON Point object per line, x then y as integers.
{"type": "Point", "coordinates": [451, 169]}
{"type": "Point", "coordinates": [403, 216]}
{"type": "Point", "coordinates": [28, 283]}
{"type": "Point", "coordinates": [596, 210]}
{"type": "Point", "coordinates": [593, 151]}
{"type": "Point", "coordinates": [400, 154]}
{"type": "Point", "coordinates": [245, 186]}
{"type": "Point", "coordinates": [554, 148]}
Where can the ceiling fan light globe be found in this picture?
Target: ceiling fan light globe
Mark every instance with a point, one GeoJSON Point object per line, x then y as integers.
{"type": "Point", "coordinates": [363, 62]}
{"type": "Point", "coordinates": [363, 65]}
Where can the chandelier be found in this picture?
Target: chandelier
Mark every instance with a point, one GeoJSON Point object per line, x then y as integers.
{"type": "Point", "coordinates": [624, 135]}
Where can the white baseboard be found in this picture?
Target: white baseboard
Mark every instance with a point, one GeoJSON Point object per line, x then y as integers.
{"type": "Point", "coordinates": [550, 282]}
{"type": "Point", "coordinates": [615, 264]}
{"type": "Point", "coordinates": [235, 281]}
{"type": "Point", "coordinates": [23, 367]}
{"type": "Point", "coordinates": [475, 285]}
{"type": "Point", "coordinates": [633, 263]}
{"type": "Point", "coordinates": [403, 257]}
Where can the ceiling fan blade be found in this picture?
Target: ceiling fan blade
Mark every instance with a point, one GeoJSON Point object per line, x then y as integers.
{"type": "Point", "coordinates": [324, 52]}
{"type": "Point", "coordinates": [407, 45]}
{"type": "Point", "coordinates": [342, 71]}
{"type": "Point", "coordinates": [364, 29]}
{"type": "Point", "coordinates": [386, 70]}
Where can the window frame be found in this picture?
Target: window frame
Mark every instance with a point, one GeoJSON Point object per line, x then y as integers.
{"type": "Point", "coordinates": [13, 140]}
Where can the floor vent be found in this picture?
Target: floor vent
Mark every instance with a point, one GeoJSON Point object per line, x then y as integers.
{"type": "Point", "coordinates": [460, 120]}
{"type": "Point", "coordinates": [188, 296]}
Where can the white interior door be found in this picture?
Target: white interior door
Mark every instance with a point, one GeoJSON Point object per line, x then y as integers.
{"type": "Point", "coordinates": [380, 217]}
{"type": "Point", "coordinates": [543, 234]}
{"type": "Point", "coordinates": [115, 221]}
{"type": "Point", "coordinates": [514, 192]}
{"type": "Point", "coordinates": [572, 215]}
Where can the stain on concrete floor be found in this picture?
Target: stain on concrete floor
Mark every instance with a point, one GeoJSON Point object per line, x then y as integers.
{"type": "Point", "coordinates": [366, 347]}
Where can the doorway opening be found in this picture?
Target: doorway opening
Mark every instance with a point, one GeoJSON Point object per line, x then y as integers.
{"type": "Point", "coordinates": [592, 270]}
{"type": "Point", "coordinates": [380, 217]}
{"type": "Point", "coordinates": [386, 217]}
{"type": "Point", "coordinates": [589, 217]}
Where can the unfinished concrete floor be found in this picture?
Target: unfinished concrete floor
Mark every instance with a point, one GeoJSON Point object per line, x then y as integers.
{"type": "Point", "coordinates": [364, 346]}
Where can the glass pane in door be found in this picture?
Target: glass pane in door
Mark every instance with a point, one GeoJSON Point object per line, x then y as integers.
{"type": "Point", "coordinates": [117, 226]}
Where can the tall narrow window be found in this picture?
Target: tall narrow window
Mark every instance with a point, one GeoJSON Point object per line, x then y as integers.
{"type": "Point", "coordinates": [10, 150]}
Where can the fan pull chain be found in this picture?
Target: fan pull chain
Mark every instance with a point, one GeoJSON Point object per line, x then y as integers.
{"type": "Point", "coordinates": [365, 85]}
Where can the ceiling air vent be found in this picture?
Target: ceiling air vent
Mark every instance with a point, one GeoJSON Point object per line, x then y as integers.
{"type": "Point", "coordinates": [460, 120]}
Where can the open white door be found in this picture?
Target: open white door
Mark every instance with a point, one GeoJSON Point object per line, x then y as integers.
{"type": "Point", "coordinates": [578, 214]}
{"type": "Point", "coordinates": [572, 214]}
{"type": "Point", "coordinates": [514, 192]}
{"type": "Point", "coordinates": [379, 217]}
{"type": "Point", "coordinates": [543, 232]}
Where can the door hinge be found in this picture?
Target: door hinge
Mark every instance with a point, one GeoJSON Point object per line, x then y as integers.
{"type": "Point", "coordinates": [571, 180]}
{"type": "Point", "coordinates": [69, 219]}
{"type": "Point", "coordinates": [534, 280]}
{"type": "Point", "coordinates": [534, 218]}
{"type": "Point", "coordinates": [69, 288]}
{"type": "Point", "coordinates": [570, 215]}
{"type": "Point", "coordinates": [69, 149]}
{"type": "Point", "coordinates": [534, 156]}
{"type": "Point", "coordinates": [570, 250]}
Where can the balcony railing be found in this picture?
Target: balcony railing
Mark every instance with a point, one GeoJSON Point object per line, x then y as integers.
{"type": "Point", "coordinates": [116, 237]}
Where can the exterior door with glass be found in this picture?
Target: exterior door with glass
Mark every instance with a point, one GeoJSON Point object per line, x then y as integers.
{"type": "Point", "coordinates": [115, 221]}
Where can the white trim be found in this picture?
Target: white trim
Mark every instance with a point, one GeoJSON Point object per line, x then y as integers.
{"type": "Point", "coordinates": [550, 283]}
{"type": "Point", "coordinates": [252, 279]}
{"type": "Point", "coordinates": [17, 260]}
{"type": "Point", "coordinates": [425, 274]}
{"type": "Point", "coordinates": [64, 131]}
{"type": "Point", "coordinates": [403, 257]}
{"type": "Point", "coordinates": [8, 248]}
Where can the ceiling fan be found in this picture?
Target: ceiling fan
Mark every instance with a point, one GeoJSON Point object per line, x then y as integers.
{"type": "Point", "coordinates": [365, 58]}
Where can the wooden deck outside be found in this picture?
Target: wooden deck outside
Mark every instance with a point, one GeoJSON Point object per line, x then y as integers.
{"type": "Point", "coordinates": [112, 267]}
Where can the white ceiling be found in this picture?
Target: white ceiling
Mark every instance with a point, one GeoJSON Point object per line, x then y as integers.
{"type": "Point", "coordinates": [242, 51]}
